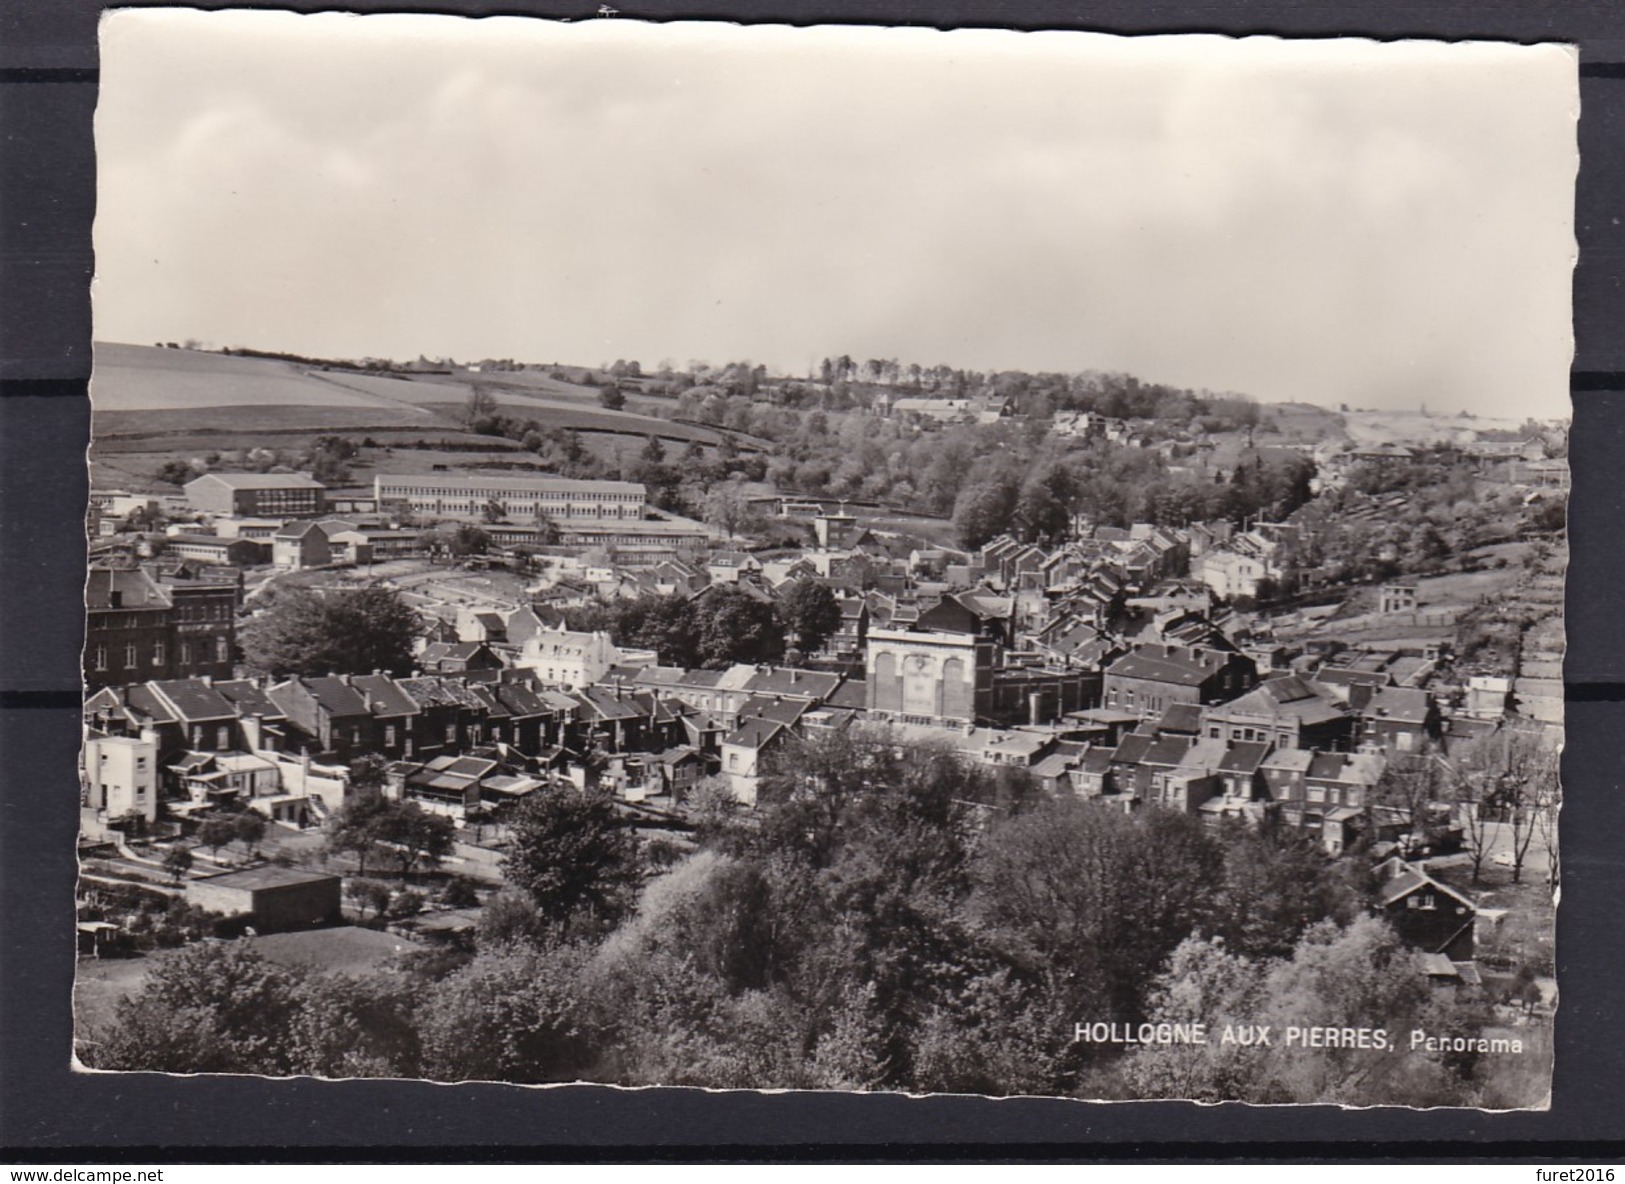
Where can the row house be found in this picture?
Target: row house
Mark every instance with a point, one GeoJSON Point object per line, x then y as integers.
{"type": "Point", "coordinates": [1328, 794]}
{"type": "Point", "coordinates": [181, 715]}
{"type": "Point", "coordinates": [848, 639]}
{"type": "Point", "coordinates": [1006, 561]}
{"type": "Point", "coordinates": [451, 717]}
{"type": "Point", "coordinates": [329, 715]}
{"type": "Point", "coordinates": [618, 719]}
{"type": "Point", "coordinates": [1152, 677]}
{"type": "Point", "coordinates": [1399, 720]}
{"type": "Point", "coordinates": [264, 725]}
{"type": "Point", "coordinates": [1055, 770]}
{"type": "Point", "coordinates": [743, 751]}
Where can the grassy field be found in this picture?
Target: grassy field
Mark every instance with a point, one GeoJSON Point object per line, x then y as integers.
{"type": "Point", "coordinates": [1370, 428]}
{"type": "Point", "coordinates": [346, 949]}
{"type": "Point", "coordinates": [1300, 422]}
{"type": "Point", "coordinates": [153, 405]}
{"type": "Point", "coordinates": [145, 378]}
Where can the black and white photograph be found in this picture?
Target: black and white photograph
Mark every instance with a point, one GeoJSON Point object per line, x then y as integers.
{"type": "Point", "coordinates": [826, 558]}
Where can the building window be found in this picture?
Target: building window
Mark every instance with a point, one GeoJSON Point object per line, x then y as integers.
{"type": "Point", "coordinates": [158, 653]}
{"type": "Point", "coordinates": [733, 761]}
{"type": "Point", "coordinates": [99, 657]}
{"type": "Point", "coordinates": [451, 733]}
{"type": "Point", "coordinates": [389, 735]}
{"type": "Point", "coordinates": [129, 655]}
{"type": "Point", "coordinates": [222, 650]}
{"type": "Point", "coordinates": [186, 653]}
{"type": "Point", "coordinates": [222, 737]}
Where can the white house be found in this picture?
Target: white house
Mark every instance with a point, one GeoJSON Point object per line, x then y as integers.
{"type": "Point", "coordinates": [120, 778]}
{"type": "Point", "coordinates": [562, 657]}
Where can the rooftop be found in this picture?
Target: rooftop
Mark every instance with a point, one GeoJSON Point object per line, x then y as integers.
{"type": "Point", "coordinates": [517, 484]}
{"type": "Point", "coordinates": [261, 480]}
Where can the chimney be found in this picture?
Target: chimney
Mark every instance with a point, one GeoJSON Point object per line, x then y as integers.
{"type": "Point", "coordinates": [206, 679]}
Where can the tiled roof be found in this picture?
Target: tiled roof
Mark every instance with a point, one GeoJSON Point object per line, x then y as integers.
{"type": "Point", "coordinates": [1166, 750]}
{"type": "Point", "coordinates": [1398, 703]}
{"type": "Point", "coordinates": [1289, 760]}
{"type": "Point", "coordinates": [603, 702]}
{"type": "Point", "coordinates": [1204, 756]}
{"type": "Point", "coordinates": [754, 733]}
{"type": "Point", "coordinates": [262, 480]}
{"type": "Point", "coordinates": [1097, 760]}
{"type": "Point", "coordinates": [1171, 664]}
{"type": "Point", "coordinates": [1132, 748]}
{"type": "Point", "coordinates": [1244, 756]}
{"type": "Point", "coordinates": [1286, 695]}
{"type": "Point", "coordinates": [1181, 717]}
{"type": "Point", "coordinates": [144, 702]}
{"type": "Point", "coordinates": [790, 680]}
{"type": "Point", "coordinates": [784, 711]}
{"type": "Point", "coordinates": [137, 590]}
{"type": "Point", "coordinates": [194, 699]}
{"type": "Point", "coordinates": [520, 700]}
{"type": "Point", "coordinates": [335, 696]}
{"type": "Point", "coordinates": [387, 698]}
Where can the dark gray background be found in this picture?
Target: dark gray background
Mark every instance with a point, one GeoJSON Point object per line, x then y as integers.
{"type": "Point", "coordinates": [47, 197]}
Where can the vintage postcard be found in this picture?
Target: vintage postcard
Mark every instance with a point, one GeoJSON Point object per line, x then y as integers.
{"type": "Point", "coordinates": [850, 559]}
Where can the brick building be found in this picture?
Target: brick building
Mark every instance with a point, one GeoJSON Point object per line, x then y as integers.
{"type": "Point", "coordinates": [137, 628]}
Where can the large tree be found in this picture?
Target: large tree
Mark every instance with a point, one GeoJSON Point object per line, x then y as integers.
{"type": "Point", "coordinates": [984, 510]}
{"type": "Point", "coordinates": [304, 631]}
{"type": "Point", "coordinates": [734, 626]}
{"type": "Point", "coordinates": [369, 822]}
{"type": "Point", "coordinates": [571, 853]}
{"type": "Point", "coordinates": [811, 614]}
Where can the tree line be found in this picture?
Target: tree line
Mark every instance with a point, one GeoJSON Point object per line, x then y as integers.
{"type": "Point", "coordinates": [724, 626]}
{"type": "Point", "coordinates": [888, 918]}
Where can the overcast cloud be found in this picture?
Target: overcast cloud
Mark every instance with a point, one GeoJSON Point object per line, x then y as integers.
{"type": "Point", "coordinates": [1381, 225]}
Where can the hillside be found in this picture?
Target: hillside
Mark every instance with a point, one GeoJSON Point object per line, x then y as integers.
{"type": "Point", "coordinates": [151, 404]}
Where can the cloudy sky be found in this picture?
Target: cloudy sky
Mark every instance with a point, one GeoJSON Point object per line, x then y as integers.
{"type": "Point", "coordinates": [1381, 225]}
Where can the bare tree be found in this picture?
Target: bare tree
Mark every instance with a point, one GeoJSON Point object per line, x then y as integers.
{"type": "Point", "coordinates": [1517, 770]}
{"type": "Point", "coordinates": [1413, 787]}
{"type": "Point", "coordinates": [1546, 818]}
{"type": "Point", "coordinates": [480, 405]}
{"type": "Point", "coordinates": [1477, 828]}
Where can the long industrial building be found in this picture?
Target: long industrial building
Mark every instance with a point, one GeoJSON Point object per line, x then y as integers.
{"type": "Point", "coordinates": [560, 499]}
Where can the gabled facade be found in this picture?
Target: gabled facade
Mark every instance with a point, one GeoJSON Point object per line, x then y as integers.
{"type": "Point", "coordinates": [1151, 678]}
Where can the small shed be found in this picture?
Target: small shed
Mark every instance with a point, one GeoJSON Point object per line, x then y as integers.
{"type": "Point", "coordinates": [273, 898]}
